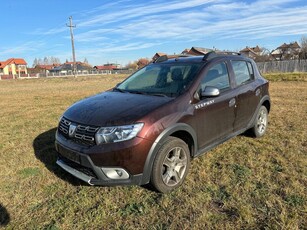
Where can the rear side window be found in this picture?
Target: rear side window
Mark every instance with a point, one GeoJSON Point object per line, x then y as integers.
{"type": "Point", "coordinates": [242, 72]}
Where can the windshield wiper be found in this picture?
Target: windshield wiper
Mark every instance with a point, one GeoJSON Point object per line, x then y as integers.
{"type": "Point", "coordinates": [119, 90]}
{"type": "Point", "coordinates": [159, 94]}
{"type": "Point", "coordinates": [138, 92]}
{"type": "Point", "coordinates": [149, 93]}
{"type": "Point", "coordinates": [141, 92]}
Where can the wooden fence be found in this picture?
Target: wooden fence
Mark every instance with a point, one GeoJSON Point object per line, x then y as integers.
{"type": "Point", "coordinates": [288, 66]}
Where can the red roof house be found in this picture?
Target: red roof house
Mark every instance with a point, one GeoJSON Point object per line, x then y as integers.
{"type": "Point", "coordinates": [13, 66]}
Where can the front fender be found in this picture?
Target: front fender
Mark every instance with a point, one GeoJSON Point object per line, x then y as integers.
{"type": "Point", "coordinates": [158, 143]}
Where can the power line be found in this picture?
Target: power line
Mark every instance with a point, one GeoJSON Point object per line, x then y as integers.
{"type": "Point", "coordinates": [71, 26]}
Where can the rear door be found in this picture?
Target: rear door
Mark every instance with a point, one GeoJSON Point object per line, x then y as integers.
{"type": "Point", "coordinates": [247, 93]}
{"type": "Point", "coordinates": [215, 115]}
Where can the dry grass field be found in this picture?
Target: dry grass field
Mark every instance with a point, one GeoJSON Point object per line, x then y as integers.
{"type": "Point", "coordinates": [244, 183]}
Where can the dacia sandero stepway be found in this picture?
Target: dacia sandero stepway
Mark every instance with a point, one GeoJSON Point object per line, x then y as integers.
{"type": "Point", "coordinates": [148, 128]}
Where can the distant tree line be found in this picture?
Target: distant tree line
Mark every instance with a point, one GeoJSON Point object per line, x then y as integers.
{"type": "Point", "coordinates": [51, 61]}
{"type": "Point", "coordinates": [46, 61]}
{"type": "Point", "coordinates": [138, 64]}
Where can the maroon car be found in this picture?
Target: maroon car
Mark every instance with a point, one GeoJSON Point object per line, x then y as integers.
{"type": "Point", "coordinates": [149, 127]}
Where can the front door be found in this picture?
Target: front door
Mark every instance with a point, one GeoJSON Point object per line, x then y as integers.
{"type": "Point", "coordinates": [215, 115]}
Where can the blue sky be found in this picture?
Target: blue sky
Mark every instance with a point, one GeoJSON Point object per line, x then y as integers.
{"type": "Point", "coordinates": [125, 30]}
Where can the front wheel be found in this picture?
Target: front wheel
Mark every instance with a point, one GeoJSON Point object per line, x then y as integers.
{"type": "Point", "coordinates": [171, 165]}
{"type": "Point", "coordinates": [261, 123]}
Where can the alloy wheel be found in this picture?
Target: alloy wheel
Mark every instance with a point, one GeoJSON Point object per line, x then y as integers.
{"type": "Point", "coordinates": [174, 166]}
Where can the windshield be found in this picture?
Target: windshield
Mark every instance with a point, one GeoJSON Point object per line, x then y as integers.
{"type": "Point", "coordinates": [161, 79]}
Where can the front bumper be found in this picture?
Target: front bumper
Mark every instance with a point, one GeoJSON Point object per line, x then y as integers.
{"type": "Point", "coordinates": [77, 161]}
{"type": "Point", "coordinates": [75, 172]}
{"type": "Point", "coordinates": [92, 179]}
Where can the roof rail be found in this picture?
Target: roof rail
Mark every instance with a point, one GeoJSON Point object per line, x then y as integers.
{"type": "Point", "coordinates": [213, 54]}
{"type": "Point", "coordinates": [171, 56]}
{"type": "Point", "coordinates": [229, 52]}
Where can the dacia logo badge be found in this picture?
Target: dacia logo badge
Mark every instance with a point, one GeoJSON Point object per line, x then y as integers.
{"type": "Point", "coordinates": [72, 130]}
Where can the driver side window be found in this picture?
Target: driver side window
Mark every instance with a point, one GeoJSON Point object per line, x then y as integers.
{"type": "Point", "coordinates": [217, 76]}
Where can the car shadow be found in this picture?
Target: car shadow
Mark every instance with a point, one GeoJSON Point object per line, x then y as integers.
{"type": "Point", "coordinates": [4, 216]}
{"type": "Point", "coordinates": [44, 151]}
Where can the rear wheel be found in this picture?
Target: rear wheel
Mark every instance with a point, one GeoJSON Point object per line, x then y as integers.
{"type": "Point", "coordinates": [171, 165]}
{"type": "Point", "coordinates": [261, 123]}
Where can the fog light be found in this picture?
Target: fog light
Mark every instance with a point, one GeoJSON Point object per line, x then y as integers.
{"type": "Point", "coordinates": [115, 173]}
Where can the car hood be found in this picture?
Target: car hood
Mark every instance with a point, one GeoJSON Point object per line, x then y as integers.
{"type": "Point", "coordinates": [113, 108]}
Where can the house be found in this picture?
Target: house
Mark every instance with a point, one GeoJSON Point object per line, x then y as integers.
{"type": "Point", "coordinates": [13, 66]}
{"type": "Point", "coordinates": [185, 52]}
{"type": "Point", "coordinates": [157, 55]}
{"type": "Point", "coordinates": [67, 68]}
{"type": "Point", "coordinates": [197, 51]}
{"type": "Point", "coordinates": [43, 69]}
{"type": "Point", "coordinates": [103, 67]}
{"type": "Point", "coordinates": [194, 51]}
{"type": "Point", "coordinates": [251, 52]}
{"type": "Point", "coordinates": [109, 66]}
{"type": "Point", "coordinates": [286, 51]}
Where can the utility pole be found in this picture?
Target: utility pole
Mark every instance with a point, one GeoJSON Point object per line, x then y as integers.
{"type": "Point", "coordinates": [71, 26]}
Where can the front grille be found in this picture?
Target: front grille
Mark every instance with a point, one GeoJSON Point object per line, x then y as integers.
{"type": "Point", "coordinates": [79, 133]}
{"type": "Point", "coordinates": [78, 167]}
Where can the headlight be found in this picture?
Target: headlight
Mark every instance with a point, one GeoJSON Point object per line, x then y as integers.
{"type": "Point", "coordinates": [117, 133]}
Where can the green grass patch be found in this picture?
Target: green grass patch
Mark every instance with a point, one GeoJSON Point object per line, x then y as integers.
{"type": "Point", "coordinates": [241, 173]}
{"type": "Point", "coordinates": [286, 76]}
{"type": "Point", "coordinates": [29, 172]}
{"type": "Point", "coordinates": [295, 200]}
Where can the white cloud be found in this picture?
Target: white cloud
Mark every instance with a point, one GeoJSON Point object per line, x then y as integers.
{"type": "Point", "coordinates": [263, 25]}
{"type": "Point", "coordinates": [20, 49]}
{"type": "Point", "coordinates": [196, 19]}
{"type": "Point", "coordinates": [130, 12]}
{"type": "Point", "coordinates": [114, 48]}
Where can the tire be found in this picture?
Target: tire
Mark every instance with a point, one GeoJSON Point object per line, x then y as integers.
{"type": "Point", "coordinates": [171, 165]}
{"type": "Point", "coordinates": [261, 123]}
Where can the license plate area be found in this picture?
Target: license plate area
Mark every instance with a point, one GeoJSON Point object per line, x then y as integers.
{"type": "Point", "coordinates": [70, 155]}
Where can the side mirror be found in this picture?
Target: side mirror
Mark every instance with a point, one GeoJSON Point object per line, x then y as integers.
{"type": "Point", "coordinates": [210, 91]}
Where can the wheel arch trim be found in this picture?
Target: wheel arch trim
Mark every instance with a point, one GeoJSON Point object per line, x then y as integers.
{"type": "Point", "coordinates": [262, 101]}
{"type": "Point", "coordinates": [157, 144]}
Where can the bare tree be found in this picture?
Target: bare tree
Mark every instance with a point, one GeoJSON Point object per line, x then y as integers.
{"type": "Point", "coordinates": [40, 61]}
{"type": "Point", "coordinates": [264, 55]}
{"type": "Point", "coordinates": [142, 62]}
{"type": "Point", "coordinates": [46, 61]}
{"type": "Point", "coordinates": [303, 53]}
{"type": "Point", "coordinates": [54, 60]}
{"type": "Point", "coordinates": [132, 65]}
{"type": "Point", "coordinates": [35, 63]}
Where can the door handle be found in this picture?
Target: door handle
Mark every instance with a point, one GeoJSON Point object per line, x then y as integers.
{"type": "Point", "coordinates": [232, 102]}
